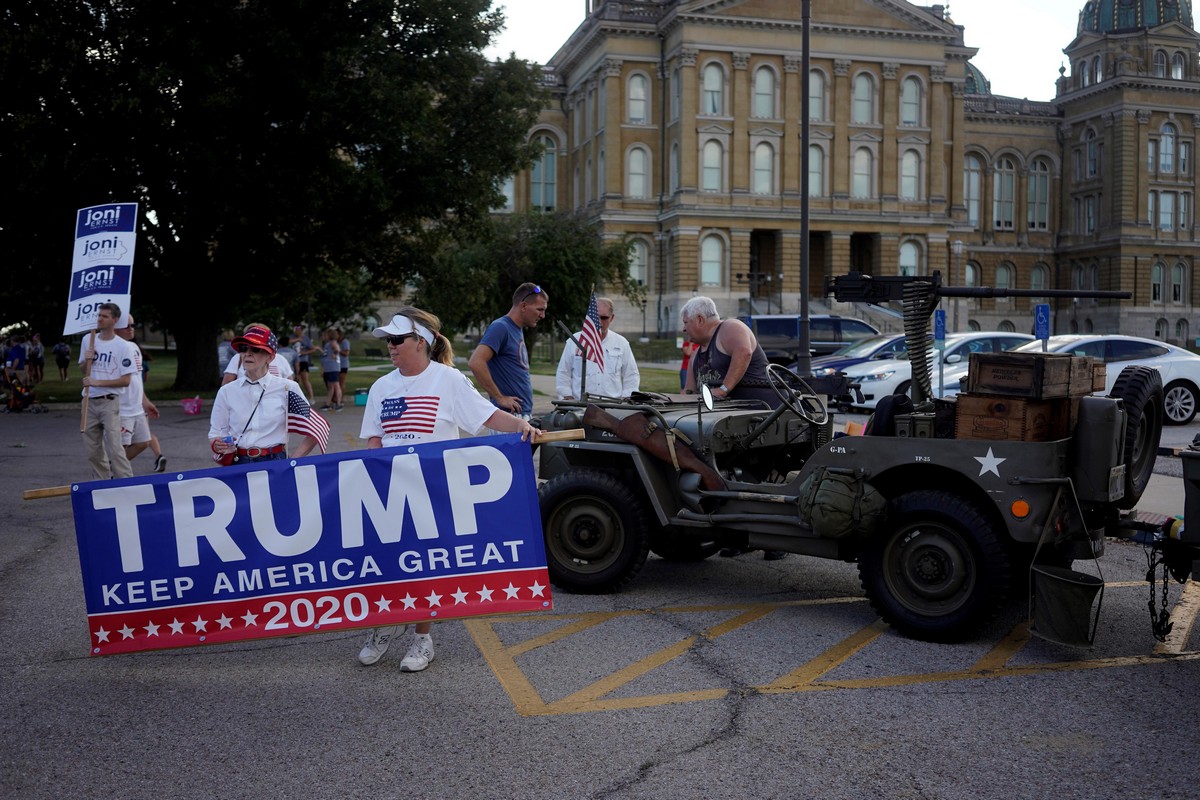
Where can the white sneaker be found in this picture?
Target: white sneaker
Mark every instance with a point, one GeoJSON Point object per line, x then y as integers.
{"type": "Point", "coordinates": [419, 654]}
{"type": "Point", "coordinates": [377, 645]}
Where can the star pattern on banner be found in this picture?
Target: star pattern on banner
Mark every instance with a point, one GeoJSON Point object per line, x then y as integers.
{"type": "Point", "coordinates": [231, 619]}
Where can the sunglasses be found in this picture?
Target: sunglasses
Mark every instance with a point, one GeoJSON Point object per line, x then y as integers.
{"type": "Point", "coordinates": [245, 348]}
{"type": "Point", "coordinates": [602, 317]}
{"type": "Point", "coordinates": [530, 293]}
{"type": "Point", "coordinates": [396, 341]}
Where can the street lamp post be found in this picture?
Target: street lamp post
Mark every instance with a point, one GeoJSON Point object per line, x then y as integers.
{"type": "Point", "coordinates": [957, 248]}
{"type": "Point", "coordinates": [644, 338]}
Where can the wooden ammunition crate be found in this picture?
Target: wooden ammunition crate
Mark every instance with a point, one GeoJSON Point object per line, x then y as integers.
{"type": "Point", "coordinates": [1014, 419]}
{"type": "Point", "coordinates": [1039, 376]}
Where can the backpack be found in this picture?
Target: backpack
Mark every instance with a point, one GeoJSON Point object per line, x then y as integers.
{"type": "Point", "coordinates": [839, 502]}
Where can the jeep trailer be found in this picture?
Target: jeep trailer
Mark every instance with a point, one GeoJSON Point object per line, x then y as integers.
{"type": "Point", "coordinates": [943, 529]}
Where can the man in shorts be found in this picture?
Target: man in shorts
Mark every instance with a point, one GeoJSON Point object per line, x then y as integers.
{"type": "Point", "coordinates": [136, 407]}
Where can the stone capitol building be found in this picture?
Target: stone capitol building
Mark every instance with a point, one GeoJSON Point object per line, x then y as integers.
{"type": "Point", "coordinates": [677, 125]}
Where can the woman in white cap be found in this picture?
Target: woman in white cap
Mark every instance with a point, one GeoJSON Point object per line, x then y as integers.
{"type": "Point", "coordinates": [448, 402]}
{"type": "Point", "coordinates": [249, 419]}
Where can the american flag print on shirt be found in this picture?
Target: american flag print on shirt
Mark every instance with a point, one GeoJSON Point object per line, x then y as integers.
{"type": "Point", "coordinates": [591, 333]}
{"type": "Point", "coordinates": [416, 414]}
{"type": "Point", "coordinates": [304, 420]}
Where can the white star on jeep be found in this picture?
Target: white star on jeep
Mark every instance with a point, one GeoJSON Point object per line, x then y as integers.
{"type": "Point", "coordinates": [460, 596]}
{"type": "Point", "coordinates": [990, 463]}
{"type": "Point", "coordinates": [383, 604]}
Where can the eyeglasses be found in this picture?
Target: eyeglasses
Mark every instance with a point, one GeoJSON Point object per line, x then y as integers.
{"type": "Point", "coordinates": [245, 348]}
{"type": "Point", "coordinates": [396, 341]}
{"type": "Point", "coordinates": [529, 293]}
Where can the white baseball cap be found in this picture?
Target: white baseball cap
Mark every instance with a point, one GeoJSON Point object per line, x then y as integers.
{"type": "Point", "coordinates": [401, 325]}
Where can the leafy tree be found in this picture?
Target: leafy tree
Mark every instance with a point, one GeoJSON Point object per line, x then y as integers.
{"type": "Point", "coordinates": [473, 281]}
{"type": "Point", "coordinates": [292, 158]}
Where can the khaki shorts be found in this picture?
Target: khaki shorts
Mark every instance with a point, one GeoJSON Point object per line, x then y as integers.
{"type": "Point", "coordinates": [134, 430]}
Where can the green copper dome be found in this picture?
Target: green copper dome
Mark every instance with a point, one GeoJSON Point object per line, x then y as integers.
{"type": "Point", "coordinates": [1110, 16]}
{"type": "Point", "coordinates": [976, 82]}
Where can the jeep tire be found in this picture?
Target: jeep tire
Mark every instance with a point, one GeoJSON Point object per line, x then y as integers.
{"type": "Point", "coordinates": [1141, 390]}
{"type": "Point", "coordinates": [937, 569]}
{"type": "Point", "coordinates": [594, 529]}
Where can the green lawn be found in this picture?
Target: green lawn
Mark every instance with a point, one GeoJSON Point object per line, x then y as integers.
{"type": "Point", "coordinates": [161, 377]}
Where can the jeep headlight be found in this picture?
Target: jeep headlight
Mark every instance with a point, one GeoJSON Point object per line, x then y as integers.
{"type": "Point", "coordinates": [882, 375]}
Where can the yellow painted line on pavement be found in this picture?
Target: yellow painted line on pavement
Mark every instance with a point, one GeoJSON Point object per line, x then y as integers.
{"type": "Point", "coordinates": [808, 677]}
{"type": "Point", "coordinates": [1183, 619]}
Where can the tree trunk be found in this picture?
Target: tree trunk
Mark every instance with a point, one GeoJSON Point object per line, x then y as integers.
{"type": "Point", "coordinates": [197, 350]}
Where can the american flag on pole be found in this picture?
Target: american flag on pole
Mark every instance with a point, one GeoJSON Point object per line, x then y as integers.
{"type": "Point", "coordinates": [591, 333]}
{"type": "Point", "coordinates": [304, 420]}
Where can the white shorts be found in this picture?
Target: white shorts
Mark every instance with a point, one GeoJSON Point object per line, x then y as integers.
{"type": "Point", "coordinates": [134, 430]}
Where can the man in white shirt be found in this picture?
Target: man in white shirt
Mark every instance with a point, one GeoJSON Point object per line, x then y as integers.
{"type": "Point", "coordinates": [620, 376]}
{"type": "Point", "coordinates": [108, 364]}
{"type": "Point", "coordinates": [136, 407]}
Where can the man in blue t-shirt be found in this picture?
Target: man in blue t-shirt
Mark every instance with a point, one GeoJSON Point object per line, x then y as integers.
{"type": "Point", "coordinates": [501, 363]}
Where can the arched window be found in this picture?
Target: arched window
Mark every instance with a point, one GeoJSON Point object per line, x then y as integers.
{"type": "Point", "coordinates": [638, 169]}
{"type": "Point", "coordinates": [764, 169]}
{"type": "Point", "coordinates": [972, 188]}
{"type": "Point", "coordinates": [1039, 277]}
{"type": "Point", "coordinates": [712, 260]}
{"type": "Point", "coordinates": [910, 259]}
{"type": "Point", "coordinates": [1003, 192]}
{"type": "Point", "coordinates": [714, 156]}
{"type": "Point", "coordinates": [638, 100]}
{"type": "Point", "coordinates": [1004, 276]}
{"type": "Point", "coordinates": [1156, 283]}
{"type": "Point", "coordinates": [1166, 148]}
{"type": "Point", "coordinates": [1160, 64]}
{"type": "Point", "coordinates": [1097, 70]}
{"type": "Point", "coordinates": [764, 93]}
{"type": "Point", "coordinates": [971, 274]}
{"type": "Point", "coordinates": [1093, 278]}
{"type": "Point", "coordinates": [973, 326]}
{"type": "Point", "coordinates": [1182, 332]}
{"type": "Point", "coordinates": [1178, 66]}
{"type": "Point", "coordinates": [1087, 73]}
{"type": "Point", "coordinates": [816, 171]}
{"type": "Point", "coordinates": [542, 176]}
{"type": "Point", "coordinates": [1006, 326]}
{"type": "Point", "coordinates": [1093, 154]}
{"type": "Point", "coordinates": [508, 191]}
{"type": "Point", "coordinates": [1177, 275]}
{"type": "Point", "coordinates": [863, 104]}
{"type": "Point", "coordinates": [1160, 329]}
{"type": "Point", "coordinates": [910, 101]}
{"type": "Point", "coordinates": [712, 100]}
{"type": "Point", "coordinates": [1037, 206]}
{"type": "Point", "coordinates": [816, 94]}
{"type": "Point", "coordinates": [910, 175]}
{"type": "Point", "coordinates": [639, 260]}
{"type": "Point", "coordinates": [862, 179]}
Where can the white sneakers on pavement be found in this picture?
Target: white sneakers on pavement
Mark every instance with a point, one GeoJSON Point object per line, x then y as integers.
{"type": "Point", "coordinates": [420, 653]}
{"type": "Point", "coordinates": [377, 645]}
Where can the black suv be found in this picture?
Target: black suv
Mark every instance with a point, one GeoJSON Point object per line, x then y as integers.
{"type": "Point", "coordinates": [779, 334]}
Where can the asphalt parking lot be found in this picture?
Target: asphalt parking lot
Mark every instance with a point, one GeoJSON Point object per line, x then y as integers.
{"type": "Point", "coordinates": [727, 677]}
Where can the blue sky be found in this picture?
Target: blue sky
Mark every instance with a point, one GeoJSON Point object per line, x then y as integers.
{"type": "Point", "coordinates": [1020, 41]}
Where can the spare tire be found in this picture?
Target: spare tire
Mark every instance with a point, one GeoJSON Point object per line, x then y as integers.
{"type": "Point", "coordinates": [1142, 391]}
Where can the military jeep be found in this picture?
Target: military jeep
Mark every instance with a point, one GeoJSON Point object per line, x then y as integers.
{"type": "Point", "coordinates": [942, 528]}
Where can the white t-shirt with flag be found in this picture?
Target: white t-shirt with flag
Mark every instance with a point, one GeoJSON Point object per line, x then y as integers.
{"type": "Point", "coordinates": [429, 407]}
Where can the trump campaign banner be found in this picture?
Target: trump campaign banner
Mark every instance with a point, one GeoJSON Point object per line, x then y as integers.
{"type": "Point", "coordinates": [442, 530]}
{"type": "Point", "coordinates": [101, 264]}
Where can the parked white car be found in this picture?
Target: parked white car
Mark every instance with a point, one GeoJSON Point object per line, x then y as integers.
{"type": "Point", "coordinates": [1179, 368]}
{"type": "Point", "coordinates": [882, 378]}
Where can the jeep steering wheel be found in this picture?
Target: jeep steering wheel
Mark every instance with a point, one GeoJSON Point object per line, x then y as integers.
{"type": "Point", "coordinates": [797, 395]}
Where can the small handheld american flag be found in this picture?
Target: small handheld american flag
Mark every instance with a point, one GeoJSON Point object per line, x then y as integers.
{"type": "Point", "coordinates": [591, 333]}
{"type": "Point", "coordinates": [304, 420]}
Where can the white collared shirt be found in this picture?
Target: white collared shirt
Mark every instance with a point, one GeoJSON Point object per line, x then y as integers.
{"type": "Point", "coordinates": [620, 377]}
{"type": "Point", "coordinates": [234, 406]}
